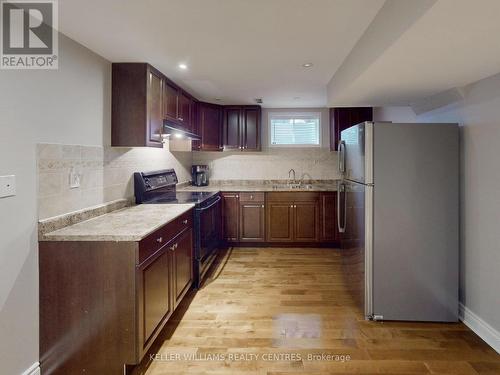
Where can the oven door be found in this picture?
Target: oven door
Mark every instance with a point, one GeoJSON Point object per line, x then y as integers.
{"type": "Point", "coordinates": [209, 227]}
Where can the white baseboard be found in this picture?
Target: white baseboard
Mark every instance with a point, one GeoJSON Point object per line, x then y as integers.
{"type": "Point", "coordinates": [480, 327]}
{"type": "Point", "coordinates": [34, 369]}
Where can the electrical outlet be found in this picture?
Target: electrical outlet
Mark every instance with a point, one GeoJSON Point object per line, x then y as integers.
{"type": "Point", "coordinates": [74, 179]}
{"type": "Point", "coordinates": [7, 186]}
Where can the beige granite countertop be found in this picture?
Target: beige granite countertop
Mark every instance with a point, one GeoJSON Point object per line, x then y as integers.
{"type": "Point", "coordinates": [128, 224]}
{"type": "Point", "coordinates": [265, 186]}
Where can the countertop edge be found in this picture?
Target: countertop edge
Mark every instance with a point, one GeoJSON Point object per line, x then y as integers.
{"type": "Point", "coordinates": [110, 238]}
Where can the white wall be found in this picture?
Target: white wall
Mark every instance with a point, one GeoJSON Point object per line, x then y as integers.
{"type": "Point", "coordinates": [394, 114]}
{"type": "Point", "coordinates": [68, 106]}
{"type": "Point", "coordinates": [479, 117]}
{"type": "Point", "coordinates": [274, 163]}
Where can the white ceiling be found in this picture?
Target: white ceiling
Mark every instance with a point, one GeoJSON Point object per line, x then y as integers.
{"type": "Point", "coordinates": [449, 44]}
{"type": "Point", "coordinates": [237, 50]}
{"type": "Point", "coordinates": [365, 52]}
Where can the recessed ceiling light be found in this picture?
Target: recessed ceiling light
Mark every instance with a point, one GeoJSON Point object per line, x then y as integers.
{"type": "Point", "coordinates": [307, 65]}
{"type": "Point", "coordinates": [296, 98]}
{"type": "Point", "coordinates": [183, 66]}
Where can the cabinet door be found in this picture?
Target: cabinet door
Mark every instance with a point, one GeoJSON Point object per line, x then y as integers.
{"type": "Point", "coordinates": [184, 115]}
{"type": "Point", "coordinates": [328, 217]}
{"type": "Point", "coordinates": [156, 305]}
{"type": "Point", "coordinates": [306, 220]}
{"type": "Point", "coordinates": [279, 221]}
{"type": "Point", "coordinates": [182, 261]}
{"type": "Point", "coordinates": [252, 227]}
{"type": "Point", "coordinates": [210, 126]}
{"type": "Point", "coordinates": [231, 207]}
{"type": "Point", "coordinates": [345, 117]}
{"type": "Point", "coordinates": [155, 111]}
{"type": "Point", "coordinates": [170, 101]}
{"type": "Point", "coordinates": [251, 128]}
{"type": "Point", "coordinates": [232, 128]}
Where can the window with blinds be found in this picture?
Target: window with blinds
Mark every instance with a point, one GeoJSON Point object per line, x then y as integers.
{"type": "Point", "coordinates": [295, 129]}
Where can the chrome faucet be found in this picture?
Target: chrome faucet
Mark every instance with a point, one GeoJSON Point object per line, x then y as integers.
{"type": "Point", "coordinates": [289, 172]}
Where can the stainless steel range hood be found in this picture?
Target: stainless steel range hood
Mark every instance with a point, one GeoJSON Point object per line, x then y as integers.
{"type": "Point", "coordinates": [171, 129]}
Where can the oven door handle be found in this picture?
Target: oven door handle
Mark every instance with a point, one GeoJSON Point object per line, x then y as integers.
{"type": "Point", "coordinates": [211, 205]}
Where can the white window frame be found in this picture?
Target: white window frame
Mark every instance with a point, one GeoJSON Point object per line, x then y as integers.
{"type": "Point", "coordinates": [294, 114]}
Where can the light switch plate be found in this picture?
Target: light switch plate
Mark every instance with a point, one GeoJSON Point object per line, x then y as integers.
{"type": "Point", "coordinates": [7, 186]}
{"type": "Point", "coordinates": [74, 179]}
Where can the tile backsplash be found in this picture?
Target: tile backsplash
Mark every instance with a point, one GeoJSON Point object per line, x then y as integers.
{"type": "Point", "coordinates": [270, 164]}
{"type": "Point", "coordinates": [105, 174]}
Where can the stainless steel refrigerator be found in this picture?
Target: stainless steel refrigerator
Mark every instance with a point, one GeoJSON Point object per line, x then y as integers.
{"type": "Point", "coordinates": [398, 217]}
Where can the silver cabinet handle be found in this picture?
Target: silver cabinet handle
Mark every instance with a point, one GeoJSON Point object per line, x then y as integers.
{"type": "Point", "coordinates": [291, 206]}
{"type": "Point", "coordinates": [237, 196]}
{"type": "Point", "coordinates": [262, 206]}
{"type": "Point", "coordinates": [184, 221]}
{"type": "Point", "coordinates": [159, 239]}
{"type": "Point", "coordinates": [251, 196]}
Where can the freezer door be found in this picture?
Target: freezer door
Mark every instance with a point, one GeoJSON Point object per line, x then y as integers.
{"type": "Point", "coordinates": [354, 211]}
{"type": "Point", "coordinates": [356, 153]}
{"type": "Point", "coordinates": [415, 256]}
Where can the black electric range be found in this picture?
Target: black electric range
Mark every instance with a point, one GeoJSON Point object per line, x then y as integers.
{"type": "Point", "coordinates": [159, 187]}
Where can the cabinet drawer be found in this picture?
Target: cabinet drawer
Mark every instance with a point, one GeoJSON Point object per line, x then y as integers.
{"type": "Point", "coordinates": [299, 196]}
{"type": "Point", "coordinates": [252, 197]}
{"type": "Point", "coordinates": [152, 243]}
{"type": "Point", "coordinates": [177, 225]}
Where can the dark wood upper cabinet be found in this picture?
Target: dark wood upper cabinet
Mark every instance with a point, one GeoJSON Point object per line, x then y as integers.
{"type": "Point", "coordinates": [242, 128]}
{"type": "Point", "coordinates": [232, 128]}
{"type": "Point", "coordinates": [344, 117]}
{"type": "Point", "coordinates": [184, 115]}
{"type": "Point", "coordinates": [209, 127]}
{"type": "Point", "coordinates": [142, 98]}
{"type": "Point", "coordinates": [251, 128]}
{"type": "Point", "coordinates": [171, 101]}
{"type": "Point", "coordinates": [155, 112]}
{"type": "Point", "coordinates": [136, 110]}
{"type": "Point", "coordinates": [231, 208]}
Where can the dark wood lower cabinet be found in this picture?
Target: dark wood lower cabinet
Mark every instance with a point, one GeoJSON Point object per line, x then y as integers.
{"type": "Point", "coordinates": [103, 303]}
{"type": "Point", "coordinates": [328, 212]}
{"type": "Point", "coordinates": [306, 221]}
{"type": "Point", "coordinates": [279, 218]}
{"type": "Point", "coordinates": [182, 260]}
{"type": "Point", "coordinates": [252, 219]}
{"type": "Point", "coordinates": [288, 218]}
{"type": "Point", "coordinates": [154, 277]}
{"type": "Point", "coordinates": [231, 216]}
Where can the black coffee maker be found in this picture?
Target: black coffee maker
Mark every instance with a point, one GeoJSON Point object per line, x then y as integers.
{"type": "Point", "coordinates": [199, 175]}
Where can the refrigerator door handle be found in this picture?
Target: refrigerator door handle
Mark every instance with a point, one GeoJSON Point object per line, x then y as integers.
{"type": "Point", "coordinates": [342, 157]}
{"type": "Point", "coordinates": [341, 190]}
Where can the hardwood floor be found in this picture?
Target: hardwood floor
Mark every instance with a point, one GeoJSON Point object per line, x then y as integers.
{"type": "Point", "coordinates": [271, 311]}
